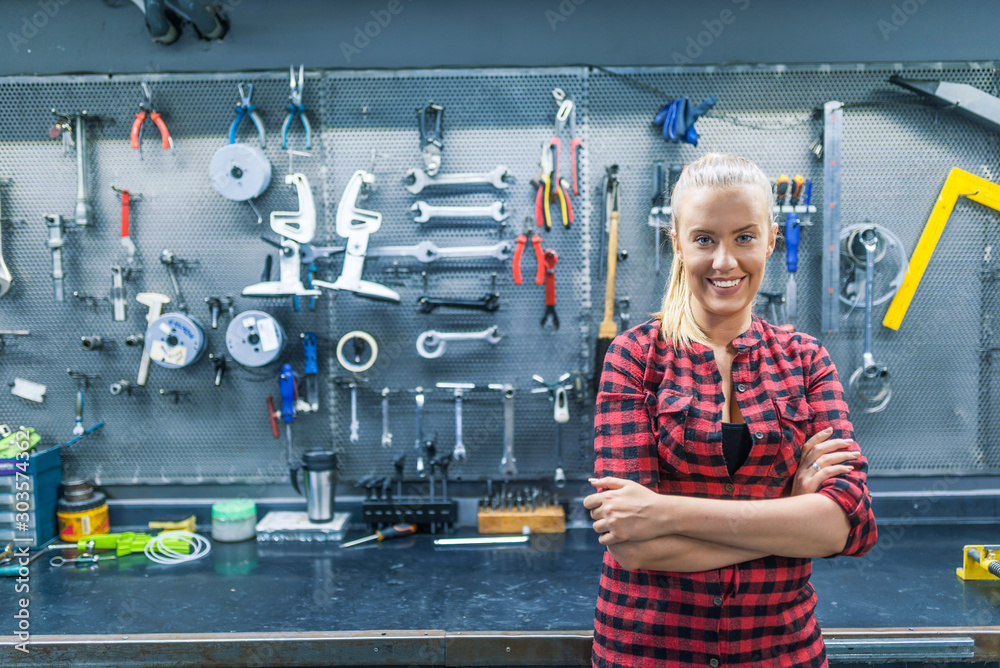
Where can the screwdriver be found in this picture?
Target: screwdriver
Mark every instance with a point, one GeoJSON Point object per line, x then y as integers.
{"type": "Point", "coordinates": [394, 531]}
{"type": "Point", "coordinates": [792, 248]}
{"type": "Point", "coordinates": [287, 384]}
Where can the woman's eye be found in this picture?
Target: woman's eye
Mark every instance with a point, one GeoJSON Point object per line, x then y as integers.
{"type": "Point", "coordinates": [745, 238]}
{"type": "Point", "coordinates": [701, 241]}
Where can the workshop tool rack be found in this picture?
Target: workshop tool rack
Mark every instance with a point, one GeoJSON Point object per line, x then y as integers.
{"type": "Point", "coordinates": [944, 416]}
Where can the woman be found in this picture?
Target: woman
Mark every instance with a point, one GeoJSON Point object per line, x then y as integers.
{"type": "Point", "coordinates": [724, 454]}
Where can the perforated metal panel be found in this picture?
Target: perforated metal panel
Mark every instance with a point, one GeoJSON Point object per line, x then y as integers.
{"type": "Point", "coordinates": [943, 416]}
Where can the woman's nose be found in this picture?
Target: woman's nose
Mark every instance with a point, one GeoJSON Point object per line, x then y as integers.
{"type": "Point", "coordinates": [724, 259]}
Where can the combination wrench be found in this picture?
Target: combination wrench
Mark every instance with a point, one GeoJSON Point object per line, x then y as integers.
{"type": "Point", "coordinates": [459, 390]}
{"type": "Point", "coordinates": [416, 180]}
{"type": "Point", "coordinates": [386, 434]}
{"type": "Point", "coordinates": [425, 251]}
{"type": "Point", "coordinates": [488, 303]}
{"type": "Point", "coordinates": [508, 464]}
{"type": "Point", "coordinates": [497, 211]}
{"type": "Point", "coordinates": [432, 344]}
{"type": "Point", "coordinates": [871, 372]}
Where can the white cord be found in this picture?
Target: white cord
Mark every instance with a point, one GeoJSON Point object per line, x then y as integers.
{"type": "Point", "coordinates": [157, 550]}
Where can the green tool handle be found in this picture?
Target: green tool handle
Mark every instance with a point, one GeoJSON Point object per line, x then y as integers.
{"type": "Point", "coordinates": [128, 542]}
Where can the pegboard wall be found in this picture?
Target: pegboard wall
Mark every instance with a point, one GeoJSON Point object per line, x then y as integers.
{"type": "Point", "coordinates": [943, 416]}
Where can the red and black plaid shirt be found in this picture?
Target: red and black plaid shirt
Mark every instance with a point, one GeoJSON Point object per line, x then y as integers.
{"type": "Point", "coordinates": [659, 423]}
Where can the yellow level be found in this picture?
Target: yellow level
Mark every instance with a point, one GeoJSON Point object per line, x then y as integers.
{"type": "Point", "coordinates": [958, 184]}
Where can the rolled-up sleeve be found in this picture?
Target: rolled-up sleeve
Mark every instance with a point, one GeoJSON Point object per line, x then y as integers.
{"type": "Point", "coordinates": [848, 490]}
{"type": "Point", "coordinates": [624, 443]}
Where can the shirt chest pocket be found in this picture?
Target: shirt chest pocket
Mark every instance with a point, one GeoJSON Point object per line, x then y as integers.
{"type": "Point", "coordinates": [794, 416]}
{"type": "Point", "coordinates": [669, 412]}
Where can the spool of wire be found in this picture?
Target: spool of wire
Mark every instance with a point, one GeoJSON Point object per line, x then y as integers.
{"type": "Point", "coordinates": [157, 549]}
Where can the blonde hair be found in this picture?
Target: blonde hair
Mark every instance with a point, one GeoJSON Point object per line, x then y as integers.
{"type": "Point", "coordinates": [714, 171]}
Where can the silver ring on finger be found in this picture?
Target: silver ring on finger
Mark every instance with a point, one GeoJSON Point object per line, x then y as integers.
{"type": "Point", "coordinates": [815, 465]}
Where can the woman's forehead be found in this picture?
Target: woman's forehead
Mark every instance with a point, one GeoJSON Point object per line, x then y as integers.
{"type": "Point", "coordinates": [703, 207]}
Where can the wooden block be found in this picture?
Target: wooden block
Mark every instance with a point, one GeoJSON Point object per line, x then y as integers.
{"type": "Point", "coordinates": [541, 520]}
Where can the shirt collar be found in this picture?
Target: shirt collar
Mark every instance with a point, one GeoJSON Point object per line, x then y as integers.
{"type": "Point", "coordinates": [752, 337]}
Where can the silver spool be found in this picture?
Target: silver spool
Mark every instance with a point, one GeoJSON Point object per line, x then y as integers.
{"type": "Point", "coordinates": [240, 171]}
{"type": "Point", "coordinates": [175, 340]}
{"type": "Point", "coordinates": [255, 338]}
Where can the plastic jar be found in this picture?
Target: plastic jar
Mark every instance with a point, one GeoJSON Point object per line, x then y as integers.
{"type": "Point", "coordinates": [234, 520]}
{"type": "Point", "coordinates": [81, 511]}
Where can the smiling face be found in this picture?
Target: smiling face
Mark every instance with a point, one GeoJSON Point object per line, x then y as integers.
{"type": "Point", "coordinates": [724, 239]}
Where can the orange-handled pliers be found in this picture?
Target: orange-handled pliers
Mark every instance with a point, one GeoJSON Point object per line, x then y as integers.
{"type": "Point", "coordinates": [520, 243]}
{"type": "Point", "coordinates": [146, 106]}
{"type": "Point", "coordinates": [548, 182]}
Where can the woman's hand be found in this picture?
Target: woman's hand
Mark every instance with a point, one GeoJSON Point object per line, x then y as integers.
{"type": "Point", "coordinates": [624, 511]}
{"type": "Point", "coordinates": [821, 460]}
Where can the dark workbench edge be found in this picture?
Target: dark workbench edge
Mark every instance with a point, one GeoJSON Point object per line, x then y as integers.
{"type": "Point", "coordinates": [420, 647]}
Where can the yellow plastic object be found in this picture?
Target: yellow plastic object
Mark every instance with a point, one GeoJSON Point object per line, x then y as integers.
{"type": "Point", "coordinates": [184, 525]}
{"type": "Point", "coordinates": [958, 184]}
{"type": "Point", "coordinates": [973, 569]}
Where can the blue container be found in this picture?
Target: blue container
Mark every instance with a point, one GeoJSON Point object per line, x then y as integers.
{"type": "Point", "coordinates": [44, 471]}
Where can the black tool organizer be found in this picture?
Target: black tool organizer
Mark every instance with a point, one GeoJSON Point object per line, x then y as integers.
{"type": "Point", "coordinates": [942, 418]}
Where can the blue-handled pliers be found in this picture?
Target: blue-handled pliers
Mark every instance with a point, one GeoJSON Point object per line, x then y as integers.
{"type": "Point", "coordinates": [244, 108]}
{"type": "Point", "coordinates": [295, 108]}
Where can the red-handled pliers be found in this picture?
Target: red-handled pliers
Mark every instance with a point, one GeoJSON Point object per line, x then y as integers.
{"type": "Point", "coordinates": [520, 243]}
{"type": "Point", "coordinates": [146, 106]}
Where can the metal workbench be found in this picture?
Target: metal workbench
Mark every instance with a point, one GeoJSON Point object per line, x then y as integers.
{"type": "Point", "coordinates": [408, 602]}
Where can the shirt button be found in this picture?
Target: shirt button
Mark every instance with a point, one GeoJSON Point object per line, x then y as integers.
{"type": "Point", "coordinates": [730, 487]}
{"type": "Point", "coordinates": [714, 663]}
{"type": "Point", "coordinates": [717, 600]}
{"type": "Point", "coordinates": [741, 388]}
{"type": "Point", "coordinates": [759, 435]}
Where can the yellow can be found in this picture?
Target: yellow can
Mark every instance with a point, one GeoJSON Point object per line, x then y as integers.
{"type": "Point", "coordinates": [81, 512]}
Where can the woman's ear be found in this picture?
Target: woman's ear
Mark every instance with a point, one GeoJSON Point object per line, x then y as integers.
{"type": "Point", "coordinates": [772, 238]}
{"type": "Point", "coordinates": [673, 242]}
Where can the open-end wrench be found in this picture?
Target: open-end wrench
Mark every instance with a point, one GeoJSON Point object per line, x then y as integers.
{"type": "Point", "coordinates": [386, 434]}
{"type": "Point", "coordinates": [419, 443]}
{"type": "Point", "coordinates": [432, 344]}
{"type": "Point", "coordinates": [416, 180]}
{"type": "Point", "coordinates": [55, 243]}
{"type": "Point", "coordinates": [170, 261]}
{"type": "Point", "coordinates": [489, 303]}
{"type": "Point", "coordinates": [117, 294]}
{"type": "Point", "coordinates": [459, 389]}
{"type": "Point", "coordinates": [355, 425]}
{"type": "Point", "coordinates": [82, 213]}
{"type": "Point", "coordinates": [508, 464]}
{"type": "Point", "coordinates": [497, 211]}
{"type": "Point", "coordinates": [5, 277]}
{"type": "Point", "coordinates": [427, 251]}
{"type": "Point", "coordinates": [871, 373]}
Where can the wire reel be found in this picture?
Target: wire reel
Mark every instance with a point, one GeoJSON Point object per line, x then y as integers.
{"type": "Point", "coordinates": [240, 171]}
{"type": "Point", "coordinates": [890, 263]}
{"type": "Point", "coordinates": [360, 355]}
{"type": "Point", "coordinates": [255, 338]}
{"type": "Point", "coordinates": [175, 340]}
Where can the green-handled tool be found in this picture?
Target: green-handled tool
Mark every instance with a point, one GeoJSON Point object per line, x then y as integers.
{"type": "Point", "coordinates": [122, 543]}
{"type": "Point", "coordinates": [395, 531]}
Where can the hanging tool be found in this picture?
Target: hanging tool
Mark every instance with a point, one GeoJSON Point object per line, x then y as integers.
{"type": "Point", "coordinates": [429, 122]}
{"type": "Point", "coordinates": [218, 366]}
{"type": "Point", "coordinates": [311, 372]}
{"type": "Point", "coordinates": [122, 543]}
{"type": "Point", "coordinates": [418, 444]}
{"type": "Point", "coordinates": [566, 115]}
{"type": "Point", "coordinates": [792, 231]}
{"type": "Point", "coordinates": [174, 266]}
{"type": "Point", "coordinates": [78, 126]}
{"type": "Point", "coordinates": [286, 384]}
{"type": "Point", "coordinates": [774, 306]}
{"type": "Point", "coordinates": [519, 244]}
{"type": "Point", "coordinates": [551, 258]}
{"type": "Point", "coordinates": [968, 101]}
{"type": "Point", "coordinates": [357, 225]}
{"type": "Point", "coordinates": [658, 201]}
{"type": "Point", "coordinates": [126, 240]}
{"type": "Point", "coordinates": [146, 107]}
{"type": "Point", "coordinates": [118, 275]}
{"type": "Point", "coordinates": [678, 119]}
{"type": "Point", "coordinates": [155, 302]}
{"type": "Point", "coordinates": [55, 243]}
{"type": "Point", "coordinates": [958, 184]}
{"type": "Point", "coordinates": [295, 108]}
{"type": "Point", "coordinates": [459, 390]}
{"type": "Point", "coordinates": [360, 343]}
{"type": "Point", "coordinates": [5, 276]}
{"type": "Point", "coordinates": [508, 463]}
{"type": "Point", "coordinates": [547, 183]}
{"type": "Point", "coordinates": [432, 343]}
{"type": "Point", "coordinates": [386, 434]}
{"type": "Point", "coordinates": [82, 383]}
{"type": "Point", "coordinates": [355, 424]}
{"type": "Point", "coordinates": [560, 413]}
{"type": "Point", "coordinates": [395, 531]}
{"type": "Point", "coordinates": [608, 328]}
{"type": "Point", "coordinates": [243, 109]}
{"type": "Point", "coordinates": [255, 338]}
{"type": "Point", "coordinates": [870, 373]}
{"type": "Point", "coordinates": [833, 121]}
{"type": "Point", "coordinates": [416, 180]}
{"type": "Point", "coordinates": [497, 211]}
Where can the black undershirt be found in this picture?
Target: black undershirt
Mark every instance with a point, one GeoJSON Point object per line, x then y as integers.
{"type": "Point", "coordinates": [736, 444]}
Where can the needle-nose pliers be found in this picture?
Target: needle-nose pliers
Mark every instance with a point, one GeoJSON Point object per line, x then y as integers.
{"type": "Point", "coordinates": [243, 109]}
{"type": "Point", "coordinates": [296, 108]}
{"type": "Point", "coordinates": [146, 108]}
